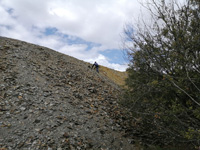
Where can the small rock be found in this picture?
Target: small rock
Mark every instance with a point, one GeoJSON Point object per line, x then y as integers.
{"type": "Point", "coordinates": [38, 130]}
{"type": "Point", "coordinates": [56, 92]}
{"type": "Point", "coordinates": [22, 108]}
{"type": "Point", "coordinates": [36, 121]}
{"type": "Point", "coordinates": [49, 148]}
{"type": "Point", "coordinates": [66, 135]}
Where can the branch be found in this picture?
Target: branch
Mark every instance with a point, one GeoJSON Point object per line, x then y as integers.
{"type": "Point", "coordinates": [192, 81]}
{"type": "Point", "coordinates": [185, 92]}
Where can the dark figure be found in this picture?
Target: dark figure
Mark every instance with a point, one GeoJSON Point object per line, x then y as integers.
{"type": "Point", "coordinates": [96, 66]}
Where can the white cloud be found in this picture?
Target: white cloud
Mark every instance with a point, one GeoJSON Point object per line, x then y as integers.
{"type": "Point", "coordinates": [98, 21]}
{"type": "Point", "coordinates": [102, 60]}
{"type": "Point", "coordinates": [77, 51]}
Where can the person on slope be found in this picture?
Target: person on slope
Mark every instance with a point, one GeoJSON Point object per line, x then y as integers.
{"type": "Point", "coordinates": [96, 66]}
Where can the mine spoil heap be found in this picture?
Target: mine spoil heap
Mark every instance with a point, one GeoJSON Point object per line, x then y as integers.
{"type": "Point", "coordinates": [52, 101]}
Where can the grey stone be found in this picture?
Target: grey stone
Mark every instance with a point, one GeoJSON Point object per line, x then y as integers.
{"type": "Point", "coordinates": [22, 108]}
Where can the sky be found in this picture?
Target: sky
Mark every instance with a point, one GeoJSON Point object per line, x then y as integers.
{"type": "Point", "coordinates": [89, 30]}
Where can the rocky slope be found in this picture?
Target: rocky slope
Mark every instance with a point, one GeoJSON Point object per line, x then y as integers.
{"type": "Point", "coordinates": [52, 101]}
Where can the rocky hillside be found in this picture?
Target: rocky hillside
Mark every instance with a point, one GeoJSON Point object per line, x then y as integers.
{"type": "Point", "coordinates": [51, 101]}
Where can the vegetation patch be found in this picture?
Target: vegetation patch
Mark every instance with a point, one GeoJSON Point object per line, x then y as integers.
{"type": "Point", "coordinates": [163, 81]}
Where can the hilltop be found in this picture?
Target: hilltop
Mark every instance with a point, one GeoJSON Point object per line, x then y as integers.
{"type": "Point", "coordinates": [49, 100]}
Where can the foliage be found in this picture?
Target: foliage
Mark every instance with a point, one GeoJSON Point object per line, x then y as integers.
{"type": "Point", "coordinates": [164, 74]}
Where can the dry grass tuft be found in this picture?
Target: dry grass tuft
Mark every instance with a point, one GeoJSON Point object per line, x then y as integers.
{"type": "Point", "coordinates": [116, 76]}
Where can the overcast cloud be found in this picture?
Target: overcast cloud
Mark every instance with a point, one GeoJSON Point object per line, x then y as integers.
{"type": "Point", "coordinates": [84, 29]}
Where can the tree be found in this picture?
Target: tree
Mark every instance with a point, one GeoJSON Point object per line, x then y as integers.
{"type": "Point", "coordinates": [163, 81]}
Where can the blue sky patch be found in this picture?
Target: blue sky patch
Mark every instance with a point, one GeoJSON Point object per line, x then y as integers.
{"type": "Point", "coordinates": [50, 31]}
{"type": "Point", "coordinates": [114, 55]}
{"type": "Point", "coordinates": [69, 39]}
{"type": "Point", "coordinates": [10, 11]}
